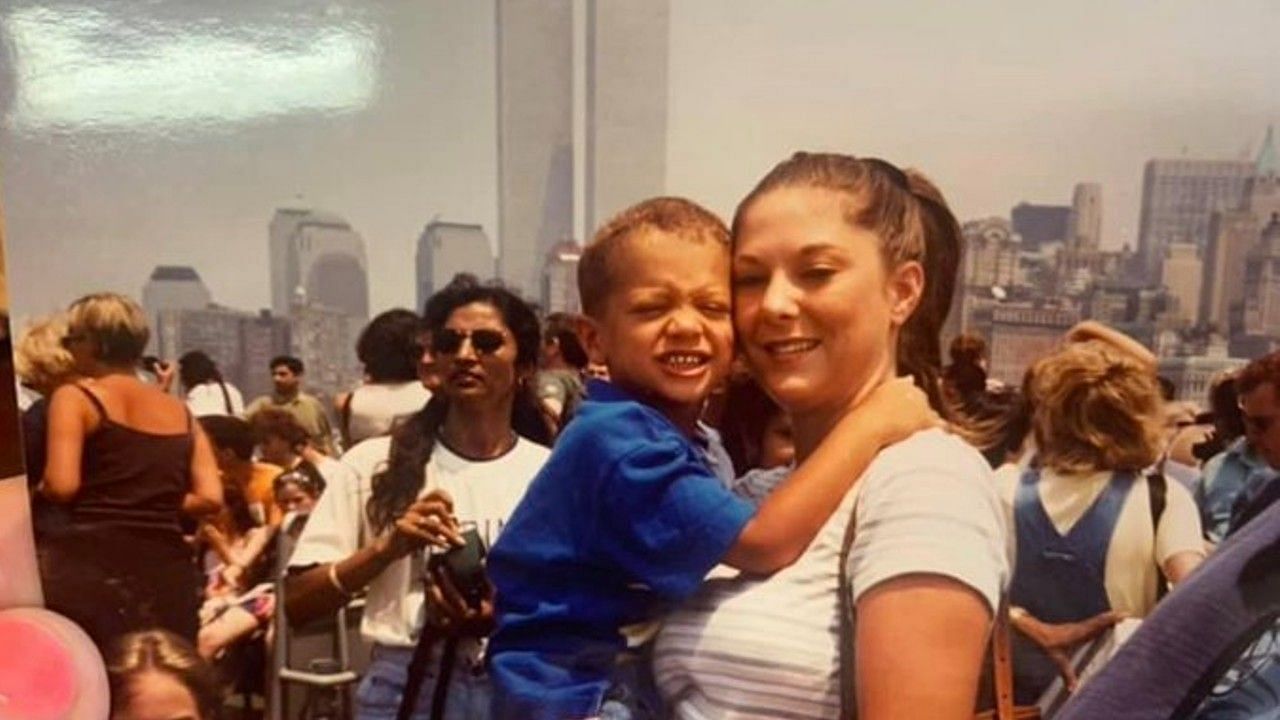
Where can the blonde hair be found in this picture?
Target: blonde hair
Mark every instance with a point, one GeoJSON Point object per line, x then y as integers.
{"type": "Point", "coordinates": [672, 215]}
{"type": "Point", "coordinates": [161, 651]}
{"type": "Point", "coordinates": [1096, 408]}
{"type": "Point", "coordinates": [39, 360]}
{"type": "Point", "coordinates": [115, 324]}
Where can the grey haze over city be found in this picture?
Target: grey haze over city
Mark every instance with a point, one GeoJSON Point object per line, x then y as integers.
{"type": "Point", "coordinates": [136, 135]}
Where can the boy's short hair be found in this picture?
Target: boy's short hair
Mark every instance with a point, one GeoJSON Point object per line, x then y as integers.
{"type": "Point", "coordinates": [671, 215]}
{"type": "Point", "coordinates": [230, 433]}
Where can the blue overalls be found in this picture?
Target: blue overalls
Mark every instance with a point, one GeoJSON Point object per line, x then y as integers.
{"type": "Point", "coordinates": [1058, 578]}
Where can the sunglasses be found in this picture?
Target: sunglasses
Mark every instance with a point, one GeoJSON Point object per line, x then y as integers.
{"type": "Point", "coordinates": [449, 341]}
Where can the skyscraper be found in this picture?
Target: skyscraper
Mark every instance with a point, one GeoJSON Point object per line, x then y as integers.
{"type": "Point", "coordinates": [1040, 224]}
{"type": "Point", "coordinates": [1260, 314]}
{"type": "Point", "coordinates": [1178, 199]}
{"type": "Point", "coordinates": [535, 136]}
{"type": "Point", "coordinates": [1232, 233]}
{"type": "Point", "coordinates": [1084, 224]}
{"type": "Point", "coordinates": [172, 287]}
{"type": "Point", "coordinates": [317, 258]}
{"type": "Point", "coordinates": [626, 105]}
{"type": "Point", "coordinates": [1182, 274]}
{"type": "Point", "coordinates": [446, 249]}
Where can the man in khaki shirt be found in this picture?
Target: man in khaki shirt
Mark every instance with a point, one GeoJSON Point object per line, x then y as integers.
{"type": "Point", "coordinates": [286, 375]}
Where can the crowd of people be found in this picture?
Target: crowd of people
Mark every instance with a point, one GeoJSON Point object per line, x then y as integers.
{"type": "Point", "coordinates": [740, 485]}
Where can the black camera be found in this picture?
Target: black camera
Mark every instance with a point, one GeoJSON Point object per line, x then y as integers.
{"type": "Point", "coordinates": [464, 566]}
{"type": "Point", "coordinates": [151, 364]}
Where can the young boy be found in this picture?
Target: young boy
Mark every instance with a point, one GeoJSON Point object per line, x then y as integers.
{"type": "Point", "coordinates": [626, 517]}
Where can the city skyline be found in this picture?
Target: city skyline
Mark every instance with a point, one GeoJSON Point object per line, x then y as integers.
{"type": "Point", "coordinates": [412, 134]}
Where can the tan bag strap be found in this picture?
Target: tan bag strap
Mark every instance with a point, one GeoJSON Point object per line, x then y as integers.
{"type": "Point", "coordinates": [1002, 660]}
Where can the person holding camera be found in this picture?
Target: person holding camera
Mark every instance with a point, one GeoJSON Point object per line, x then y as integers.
{"type": "Point", "coordinates": [455, 469]}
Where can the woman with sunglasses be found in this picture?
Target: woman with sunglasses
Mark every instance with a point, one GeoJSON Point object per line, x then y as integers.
{"type": "Point", "coordinates": [466, 458]}
{"type": "Point", "coordinates": [127, 460]}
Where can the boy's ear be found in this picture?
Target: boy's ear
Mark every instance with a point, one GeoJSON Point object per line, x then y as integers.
{"type": "Point", "coordinates": [589, 331]}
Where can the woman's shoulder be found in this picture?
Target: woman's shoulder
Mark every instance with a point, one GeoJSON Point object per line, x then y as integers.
{"type": "Point", "coordinates": [367, 456]}
{"type": "Point", "coordinates": [933, 448]}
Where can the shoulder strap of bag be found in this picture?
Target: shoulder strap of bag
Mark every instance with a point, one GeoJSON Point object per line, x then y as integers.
{"type": "Point", "coordinates": [344, 416]}
{"type": "Point", "coordinates": [1157, 488]}
{"type": "Point", "coordinates": [226, 397]}
{"type": "Point", "coordinates": [417, 672]}
{"type": "Point", "coordinates": [848, 701]}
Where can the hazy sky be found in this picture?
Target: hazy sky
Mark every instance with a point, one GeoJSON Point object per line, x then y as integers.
{"type": "Point", "coordinates": [123, 146]}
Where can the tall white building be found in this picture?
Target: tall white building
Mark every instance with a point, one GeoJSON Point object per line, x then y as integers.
{"type": "Point", "coordinates": [1084, 225]}
{"type": "Point", "coordinates": [1182, 274]}
{"type": "Point", "coordinates": [535, 136]}
{"type": "Point", "coordinates": [446, 249]}
{"type": "Point", "coordinates": [317, 259]}
{"type": "Point", "coordinates": [623, 122]}
{"type": "Point", "coordinates": [626, 105]}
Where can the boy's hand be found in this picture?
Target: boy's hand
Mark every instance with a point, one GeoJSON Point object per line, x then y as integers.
{"type": "Point", "coordinates": [898, 410]}
{"type": "Point", "coordinates": [429, 520]}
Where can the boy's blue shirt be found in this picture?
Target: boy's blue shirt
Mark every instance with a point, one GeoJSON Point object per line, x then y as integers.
{"type": "Point", "coordinates": [624, 519]}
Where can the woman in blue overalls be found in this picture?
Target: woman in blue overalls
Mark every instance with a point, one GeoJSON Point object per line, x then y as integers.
{"type": "Point", "coordinates": [1089, 541]}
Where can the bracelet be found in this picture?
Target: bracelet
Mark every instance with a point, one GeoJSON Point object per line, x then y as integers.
{"type": "Point", "coordinates": [335, 582]}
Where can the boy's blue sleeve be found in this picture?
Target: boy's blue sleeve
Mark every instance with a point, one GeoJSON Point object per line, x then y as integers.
{"type": "Point", "coordinates": [667, 518]}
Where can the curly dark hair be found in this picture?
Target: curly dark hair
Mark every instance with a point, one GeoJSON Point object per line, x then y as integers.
{"type": "Point", "coordinates": [389, 346]}
{"type": "Point", "coordinates": [413, 441]}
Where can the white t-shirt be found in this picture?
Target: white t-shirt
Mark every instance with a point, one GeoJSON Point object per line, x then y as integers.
{"type": "Point", "coordinates": [207, 399]}
{"type": "Point", "coordinates": [376, 407]}
{"type": "Point", "coordinates": [484, 493]}
{"type": "Point", "coordinates": [1130, 574]}
{"type": "Point", "coordinates": [749, 648]}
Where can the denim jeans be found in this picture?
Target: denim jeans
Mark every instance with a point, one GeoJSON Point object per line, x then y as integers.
{"type": "Point", "coordinates": [378, 697]}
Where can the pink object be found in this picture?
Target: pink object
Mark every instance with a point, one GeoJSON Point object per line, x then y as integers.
{"type": "Point", "coordinates": [50, 669]}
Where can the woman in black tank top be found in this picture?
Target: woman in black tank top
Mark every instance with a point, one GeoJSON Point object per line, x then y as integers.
{"type": "Point", "coordinates": [127, 462]}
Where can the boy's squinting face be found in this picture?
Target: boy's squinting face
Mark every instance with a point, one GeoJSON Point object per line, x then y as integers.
{"type": "Point", "coordinates": [666, 332]}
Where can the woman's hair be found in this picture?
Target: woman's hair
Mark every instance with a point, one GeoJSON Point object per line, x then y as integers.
{"type": "Point", "coordinates": [412, 441]}
{"type": "Point", "coordinates": [746, 415]}
{"type": "Point", "coordinates": [1095, 408]}
{"type": "Point", "coordinates": [196, 368]}
{"type": "Point", "coordinates": [39, 359]}
{"type": "Point", "coordinates": [274, 422]}
{"type": "Point", "coordinates": [115, 324]}
{"type": "Point", "coordinates": [161, 651]}
{"type": "Point", "coordinates": [561, 328]}
{"type": "Point", "coordinates": [230, 433]}
{"type": "Point", "coordinates": [389, 346]}
{"type": "Point", "coordinates": [911, 218]}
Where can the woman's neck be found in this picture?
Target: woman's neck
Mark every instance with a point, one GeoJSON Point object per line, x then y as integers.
{"type": "Point", "coordinates": [809, 427]}
{"type": "Point", "coordinates": [478, 432]}
{"type": "Point", "coordinates": [97, 370]}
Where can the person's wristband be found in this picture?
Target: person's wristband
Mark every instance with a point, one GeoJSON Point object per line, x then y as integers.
{"type": "Point", "coordinates": [335, 582]}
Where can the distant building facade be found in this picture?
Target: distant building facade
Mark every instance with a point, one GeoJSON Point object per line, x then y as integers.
{"type": "Point", "coordinates": [1040, 224]}
{"type": "Point", "coordinates": [626, 105]}
{"type": "Point", "coordinates": [317, 256]}
{"type": "Point", "coordinates": [1021, 333]}
{"type": "Point", "coordinates": [241, 343]}
{"type": "Point", "coordinates": [172, 287]}
{"type": "Point", "coordinates": [1084, 224]}
{"type": "Point", "coordinates": [560, 279]}
{"type": "Point", "coordinates": [446, 249]}
{"type": "Point", "coordinates": [1182, 274]}
{"type": "Point", "coordinates": [1179, 198]}
{"type": "Point", "coordinates": [535, 136]}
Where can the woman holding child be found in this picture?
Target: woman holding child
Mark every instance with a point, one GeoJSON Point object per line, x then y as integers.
{"type": "Point", "coordinates": [463, 457]}
{"type": "Point", "coordinates": [842, 277]}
